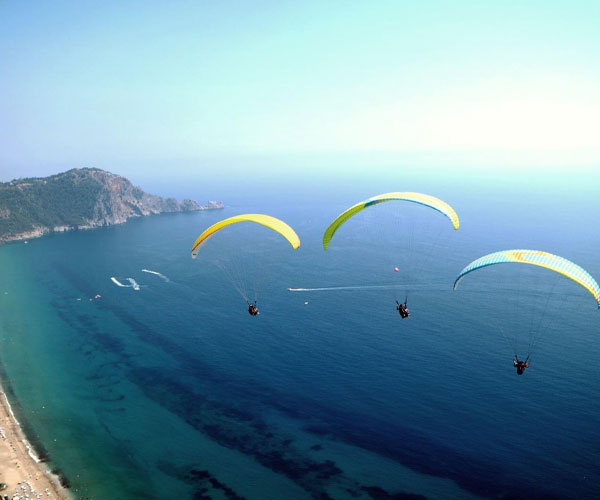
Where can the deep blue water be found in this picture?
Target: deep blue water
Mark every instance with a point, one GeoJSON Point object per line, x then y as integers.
{"type": "Point", "coordinates": [174, 391]}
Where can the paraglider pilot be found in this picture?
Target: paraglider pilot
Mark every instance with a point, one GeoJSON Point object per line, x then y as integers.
{"type": "Point", "coordinates": [402, 309]}
{"type": "Point", "coordinates": [520, 365]}
{"type": "Point", "coordinates": [252, 309]}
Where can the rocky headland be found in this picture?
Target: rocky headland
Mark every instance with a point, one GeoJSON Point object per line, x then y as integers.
{"type": "Point", "coordinates": [81, 198]}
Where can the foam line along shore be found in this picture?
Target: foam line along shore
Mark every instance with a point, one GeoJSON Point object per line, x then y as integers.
{"type": "Point", "coordinates": [21, 470]}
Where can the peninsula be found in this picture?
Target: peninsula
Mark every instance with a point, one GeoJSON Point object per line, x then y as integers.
{"type": "Point", "coordinates": [81, 198]}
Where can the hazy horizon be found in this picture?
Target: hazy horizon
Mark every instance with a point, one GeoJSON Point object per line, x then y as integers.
{"type": "Point", "coordinates": [281, 89]}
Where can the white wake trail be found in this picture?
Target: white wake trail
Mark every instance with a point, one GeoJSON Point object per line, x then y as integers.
{"type": "Point", "coordinates": [133, 284]}
{"type": "Point", "coordinates": [373, 287]}
{"type": "Point", "coordinates": [118, 283]}
{"type": "Point", "coordinates": [160, 275]}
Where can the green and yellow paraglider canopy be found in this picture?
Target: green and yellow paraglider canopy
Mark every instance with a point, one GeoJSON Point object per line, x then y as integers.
{"type": "Point", "coordinates": [536, 258]}
{"type": "Point", "coordinates": [422, 199]}
{"type": "Point", "coordinates": [266, 220]}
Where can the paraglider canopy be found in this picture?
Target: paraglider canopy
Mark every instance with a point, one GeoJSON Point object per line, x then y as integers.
{"type": "Point", "coordinates": [420, 198]}
{"type": "Point", "coordinates": [266, 220]}
{"type": "Point", "coordinates": [536, 258]}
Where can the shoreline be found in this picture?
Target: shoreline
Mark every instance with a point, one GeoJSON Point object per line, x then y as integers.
{"type": "Point", "coordinates": [24, 471]}
{"type": "Point", "coordinates": [40, 231]}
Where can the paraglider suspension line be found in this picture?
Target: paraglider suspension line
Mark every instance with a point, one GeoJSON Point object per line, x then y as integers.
{"type": "Point", "coordinates": [535, 334]}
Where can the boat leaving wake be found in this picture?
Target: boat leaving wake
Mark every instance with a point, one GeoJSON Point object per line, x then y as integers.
{"type": "Point", "coordinates": [372, 287]}
{"type": "Point", "coordinates": [133, 284]}
{"type": "Point", "coordinates": [160, 275]}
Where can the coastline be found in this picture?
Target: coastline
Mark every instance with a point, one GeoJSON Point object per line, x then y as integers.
{"type": "Point", "coordinates": [40, 230]}
{"type": "Point", "coordinates": [25, 474]}
{"type": "Point", "coordinates": [80, 198]}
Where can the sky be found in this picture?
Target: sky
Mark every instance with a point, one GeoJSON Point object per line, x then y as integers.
{"type": "Point", "coordinates": [220, 89]}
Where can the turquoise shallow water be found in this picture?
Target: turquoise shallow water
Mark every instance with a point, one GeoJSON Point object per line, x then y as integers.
{"type": "Point", "coordinates": [175, 392]}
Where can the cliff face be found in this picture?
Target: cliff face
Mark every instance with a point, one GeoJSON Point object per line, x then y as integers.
{"type": "Point", "coordinates": [78, 199]}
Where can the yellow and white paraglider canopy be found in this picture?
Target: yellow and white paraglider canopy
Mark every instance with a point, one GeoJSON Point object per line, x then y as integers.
{"type": "Point", "coordinates": [420, 198]}
{"type": "Point", "coordinates": [266, 220]}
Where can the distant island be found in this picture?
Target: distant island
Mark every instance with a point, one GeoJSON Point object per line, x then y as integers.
{"type": "Point", "coordinates": [81, 198]}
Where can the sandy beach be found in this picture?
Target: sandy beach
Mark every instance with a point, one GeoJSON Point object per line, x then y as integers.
{"type": "Point", "coordinates": [25, 477]}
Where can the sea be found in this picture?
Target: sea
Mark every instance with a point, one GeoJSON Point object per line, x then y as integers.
{"type": "Point", "coordinates": [137, 372]}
